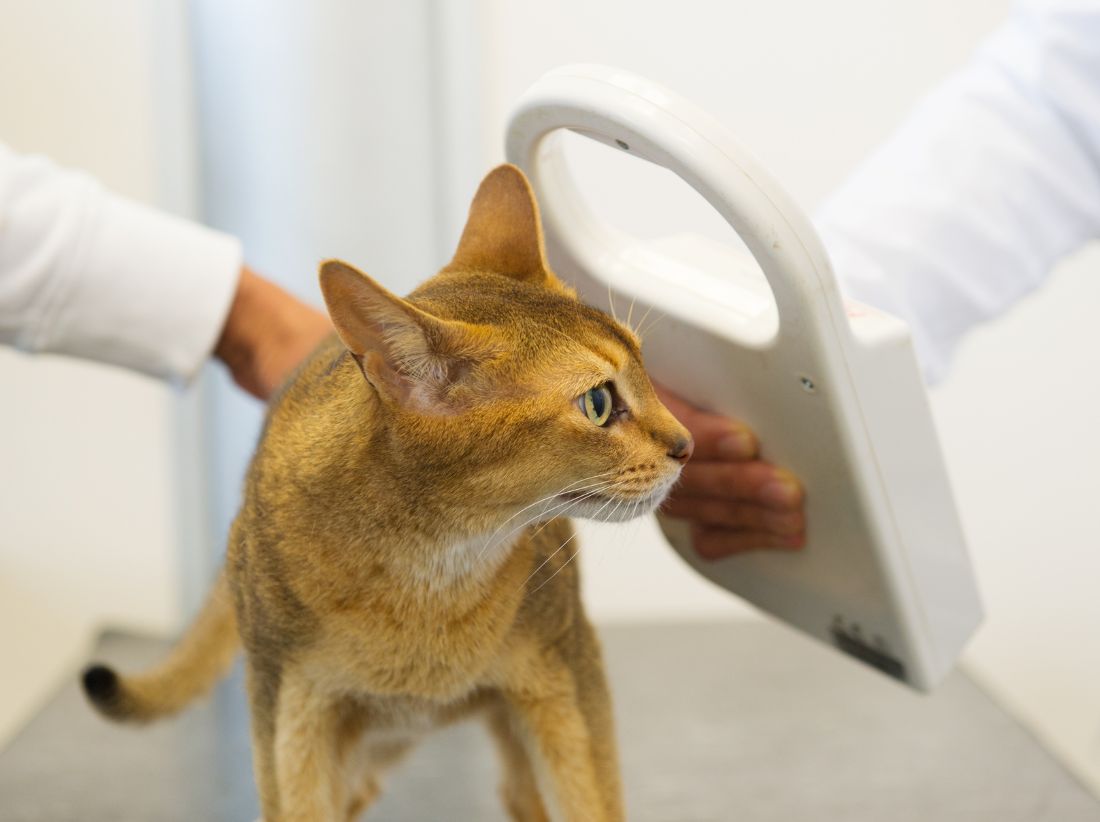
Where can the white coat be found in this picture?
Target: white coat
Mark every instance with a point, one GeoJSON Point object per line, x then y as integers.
{"type": "Point", "coordinates": [988, 184]}
{"type": "Point", "coordinates": [91, 274]}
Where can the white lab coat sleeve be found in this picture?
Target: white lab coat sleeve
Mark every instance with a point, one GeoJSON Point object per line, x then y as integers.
{"type": "Point", "coordinates": [88, 273]}
{"type": "Point", "coordinates": [990, 181]}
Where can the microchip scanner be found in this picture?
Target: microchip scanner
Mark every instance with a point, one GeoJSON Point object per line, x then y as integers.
{"type": "Point", "coordinates": [832, 389]}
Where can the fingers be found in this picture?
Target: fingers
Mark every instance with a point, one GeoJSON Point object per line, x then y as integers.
{"type": "Point", "coordinates": [756, 481]}
{"type": "Point", "coordinates": [716, 437]}
{"type": "Point", "coordinates": [736, 515]}
{"type": "Point", "coordinates": [733, 501]}
{"type": "Point", "coordinates": [734, 507]}
{"type": "Point", "coordinates": [715, 543]}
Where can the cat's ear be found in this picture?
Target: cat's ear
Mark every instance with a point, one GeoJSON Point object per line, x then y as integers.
{"type": "Point", "coordinates": [409, 355]}
{"type": "Point", "coordinates": [503, 233]}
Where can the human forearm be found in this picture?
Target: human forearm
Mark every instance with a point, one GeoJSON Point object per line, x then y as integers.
{"type": "Point", "coordinates": [266, 334]}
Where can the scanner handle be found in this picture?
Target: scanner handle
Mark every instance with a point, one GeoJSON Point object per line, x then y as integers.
{"type": "Point", "coordinates": [644, 119]}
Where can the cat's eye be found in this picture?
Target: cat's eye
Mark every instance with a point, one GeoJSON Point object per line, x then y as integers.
{"type": "Point", "coordinates": [597, 404]}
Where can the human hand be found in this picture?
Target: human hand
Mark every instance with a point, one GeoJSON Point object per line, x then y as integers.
{"type": "Point", "coordinates": [734, 501]}
{"type": "Point", "coordinates": [267, 333]}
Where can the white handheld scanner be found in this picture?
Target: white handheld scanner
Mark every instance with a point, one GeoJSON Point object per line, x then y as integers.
{"type": "Point", "coordinates": [833, 392]}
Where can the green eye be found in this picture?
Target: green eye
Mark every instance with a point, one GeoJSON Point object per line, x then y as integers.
{"type": "Point", "coordinates": [596, 404]}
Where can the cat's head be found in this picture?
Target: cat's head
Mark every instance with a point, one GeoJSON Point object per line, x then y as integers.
{"type": "Point", "coordinates": [500, 389]}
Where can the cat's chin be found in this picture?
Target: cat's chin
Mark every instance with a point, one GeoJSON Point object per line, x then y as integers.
{"type": "Point", "coordinates": [618, 509]}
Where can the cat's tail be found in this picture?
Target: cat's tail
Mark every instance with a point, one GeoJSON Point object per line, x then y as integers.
{"type": "Point", "coordinates": [199, 659]}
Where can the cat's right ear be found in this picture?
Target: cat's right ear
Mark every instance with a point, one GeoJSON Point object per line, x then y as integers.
{"type": "Point", "coordinates": [410, 356]}
{"type": "Point", "coordinates": [503, 233]}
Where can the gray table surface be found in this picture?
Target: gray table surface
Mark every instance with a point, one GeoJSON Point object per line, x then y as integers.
{"type": "Point", "coordinates": [738, 721]}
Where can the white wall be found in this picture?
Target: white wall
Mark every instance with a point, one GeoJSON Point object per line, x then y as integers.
{"type": "Point", "coordinates": [810, 88]}
{"type": "Point", "coordinates": [92, 486]}
{"type": "Point", "coordinates": [1018, 420]}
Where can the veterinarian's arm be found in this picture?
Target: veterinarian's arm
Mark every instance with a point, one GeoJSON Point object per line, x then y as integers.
{"type": "Point", "coordinates": [88, 273]}
{"type": "Point", "coordinates": [266, 334]}
{"type": "Point", "coordinates": [991, 180]}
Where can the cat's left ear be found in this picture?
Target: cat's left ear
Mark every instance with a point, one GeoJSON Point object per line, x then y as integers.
{"type": "Point", "coordinates": [503, 233]}
{"type": "Point", "coordinates": [410, 356]}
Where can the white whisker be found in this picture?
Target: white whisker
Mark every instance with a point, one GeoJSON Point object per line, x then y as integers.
{"type": "Point", "coordinates": [603, 551]}
{"type": "Point", "coordinates": [615, 510]}
{"type": "Point", "coordinates": [559, 332]}
{"type": "Point", "coordinates": [548, 558]}
{"type": "Point", "coordinates": [595, 489]}
{"type": "Point", "coordinates": [641, 322]}
{"type": "Point", "coordinates": [557, 493]}
{"type": "Point", "coordinates": [574, 556]}
{"type": "Point", "coordinates": [652, 325]}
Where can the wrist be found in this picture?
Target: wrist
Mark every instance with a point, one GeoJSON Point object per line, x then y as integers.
{"type": "Point", "coordinates": [267, 333]}
{"type": "Point", "coordinates": [237, 344]}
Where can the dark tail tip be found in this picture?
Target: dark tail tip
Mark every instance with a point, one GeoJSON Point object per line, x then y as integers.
{"type": "Point", "coordinates": [101, 685]}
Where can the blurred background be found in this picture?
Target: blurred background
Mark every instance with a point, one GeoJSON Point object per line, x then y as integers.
{"type": "Point", "coordinates": [360, 130]}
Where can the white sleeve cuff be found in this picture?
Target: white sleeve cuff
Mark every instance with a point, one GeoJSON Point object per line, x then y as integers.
{"type": "Point", "coordinates": [147, 291]}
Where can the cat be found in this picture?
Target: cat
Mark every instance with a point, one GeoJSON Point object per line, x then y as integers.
{"type": "Point", "coordinates": [402, 558]}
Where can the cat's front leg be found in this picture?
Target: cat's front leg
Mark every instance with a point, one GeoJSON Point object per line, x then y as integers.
{"type": "Point", "coordinates": [594, 700]}
{"type": "Point", "coordinates": [565, 756]}
{"type": "Point", "coordinates": [263, 691]}
{"type": "Point", "coordinates": [308, 763]}
{"type": "Point", "coordinates": [519, 788]}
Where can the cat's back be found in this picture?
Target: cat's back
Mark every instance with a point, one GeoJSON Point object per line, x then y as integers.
{"type": "Point", "coordinates": [317, 419]}
{"type": "Point", "coordinates": [314, 382]}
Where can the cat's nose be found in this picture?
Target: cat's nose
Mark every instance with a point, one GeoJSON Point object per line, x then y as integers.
{"type": "Point", "coordinates": [682, 449]}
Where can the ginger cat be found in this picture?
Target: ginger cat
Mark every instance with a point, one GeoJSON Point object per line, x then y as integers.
{"type": "Point", "coordinates": [401, 558]}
